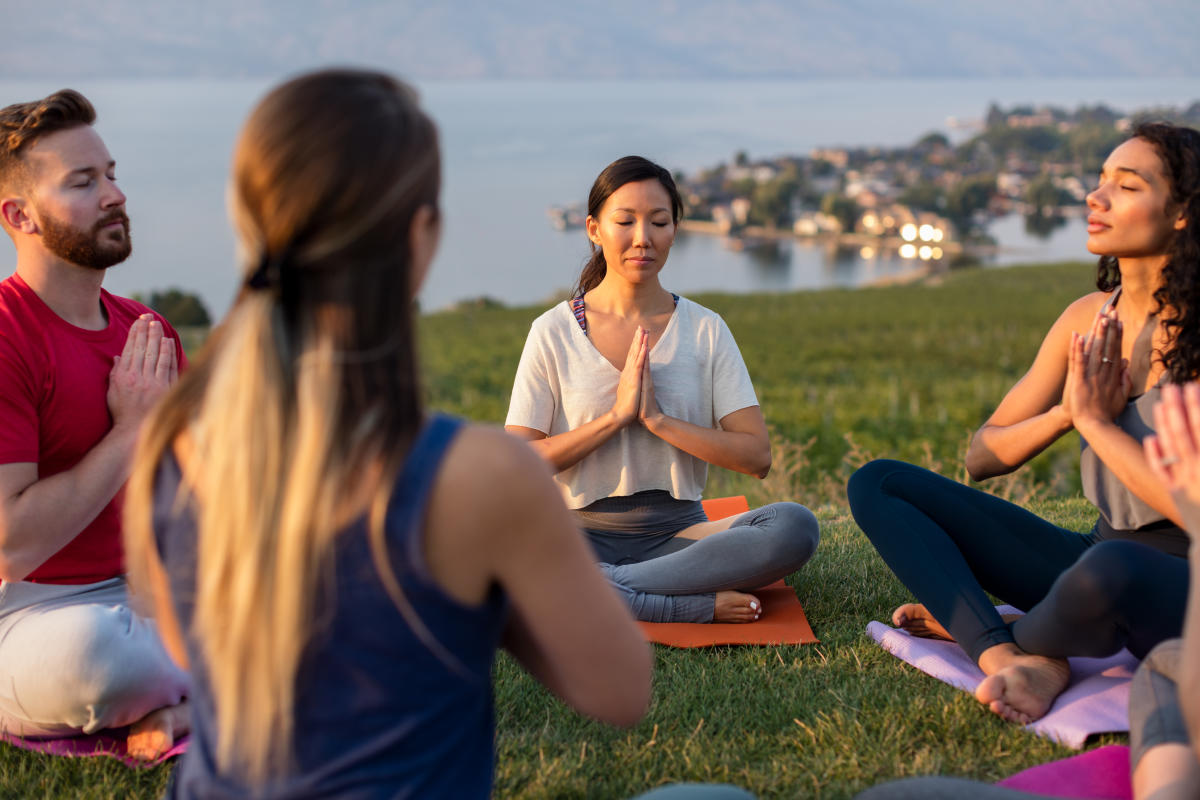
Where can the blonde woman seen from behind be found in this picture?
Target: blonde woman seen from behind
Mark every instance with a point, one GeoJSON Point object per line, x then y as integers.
{"type": "Point", "coordinates": [336, 566]}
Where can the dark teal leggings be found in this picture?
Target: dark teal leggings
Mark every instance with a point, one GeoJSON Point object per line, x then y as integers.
{"type": "Point", "coordinates": [951, 545]}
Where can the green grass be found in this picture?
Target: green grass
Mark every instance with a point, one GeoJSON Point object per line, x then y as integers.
{"type": "Point", "coordinates": [825, 720]}
{"type": "Point", "coordinates": [843, 376]}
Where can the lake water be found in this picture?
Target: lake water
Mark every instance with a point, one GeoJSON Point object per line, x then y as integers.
{"type": "Point", "coordinates": [512, 148]}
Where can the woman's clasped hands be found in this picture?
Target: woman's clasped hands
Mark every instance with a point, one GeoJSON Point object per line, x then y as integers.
{"type": "Point", "coordinates": [635, 389]}
{"type": "Point", "coordinates": [1098, 382]}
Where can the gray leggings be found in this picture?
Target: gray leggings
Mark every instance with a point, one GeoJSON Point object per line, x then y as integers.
{"type": "Point", "coordinates": [664, 578]}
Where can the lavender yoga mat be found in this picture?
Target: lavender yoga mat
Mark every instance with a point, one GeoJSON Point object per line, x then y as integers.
{"type": "Point", "coordinates": [1096, 700]}
{"type": "Point", "coordinates": [98, 744]}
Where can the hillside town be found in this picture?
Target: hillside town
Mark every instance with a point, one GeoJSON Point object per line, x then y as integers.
{"type": "Point", "coordinates": [930, 200]}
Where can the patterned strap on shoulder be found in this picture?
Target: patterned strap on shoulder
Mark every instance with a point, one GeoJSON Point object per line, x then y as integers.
{"type": "Point", "coordinates": [580, 315]}
{"type": "Point", "coordinates": [580, 312]}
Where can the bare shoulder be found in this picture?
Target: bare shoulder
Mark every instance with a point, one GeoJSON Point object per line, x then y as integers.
{"type": "Point", "coordinates": [1080, 313]}
{"type": "Point", "coordinates": [490, 501]}
{"type": "Point", "coordinates": [490, 460]}
{"type": "Point", "coordinates": [490, 474]}
{"type": "Point", "coordinates": [1075, 318]}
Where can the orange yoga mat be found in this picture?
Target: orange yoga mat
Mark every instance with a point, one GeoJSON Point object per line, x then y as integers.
{"type": "Point", "coordinates": [783, 620]}
{"type": "Point", "coordinates": [722, 507]}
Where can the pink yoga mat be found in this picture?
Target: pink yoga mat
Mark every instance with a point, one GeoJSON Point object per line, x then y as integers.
{"type": "Point", "coordinates": [109, 743]}
{"type": "Point", "coordinates": [1100, 774]}
{"type": "Point", "coordinates": [1096, 700]}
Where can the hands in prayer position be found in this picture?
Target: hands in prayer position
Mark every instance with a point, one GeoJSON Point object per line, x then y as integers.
{"type": "Point", "coordinates": [635, 391]}
{"type": "Point", "coordinates": [142, 374]}
{"type": "Point", "coordinates": [1098, 381]}
{"type": "Point", "coordinates": [628, 405]}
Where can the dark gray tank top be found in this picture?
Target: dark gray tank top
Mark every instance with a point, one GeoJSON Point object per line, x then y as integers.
{"type": "Point", "coordinates": [1123, 515]}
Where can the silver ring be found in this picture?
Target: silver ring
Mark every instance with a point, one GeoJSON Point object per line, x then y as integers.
{"type": "Point", "coordinates": [1169, 460]}
{"type": "Point", "coordinates": [1105, 360]}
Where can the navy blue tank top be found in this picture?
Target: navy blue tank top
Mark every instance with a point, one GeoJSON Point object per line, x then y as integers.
{"type": "Point", "coordinates": [378, 713]}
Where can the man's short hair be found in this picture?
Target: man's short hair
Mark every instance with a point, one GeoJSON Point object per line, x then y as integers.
{"type": "Point", "coordinates": [22, 124]}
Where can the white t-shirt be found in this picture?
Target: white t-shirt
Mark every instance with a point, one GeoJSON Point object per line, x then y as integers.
{"type": "Point", "coordinates": [564, 382]}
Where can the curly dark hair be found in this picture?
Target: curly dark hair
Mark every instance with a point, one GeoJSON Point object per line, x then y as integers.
{"type": "Point", "coordinates": [1178, 147]}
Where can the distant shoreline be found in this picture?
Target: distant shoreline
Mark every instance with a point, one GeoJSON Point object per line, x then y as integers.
{"type": "Point", "coordinates": [707, 228]}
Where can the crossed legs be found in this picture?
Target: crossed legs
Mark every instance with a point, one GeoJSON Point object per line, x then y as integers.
{"type": "Point", "coordinates": [739, 553]}
{"type": "Point", "coordinates": [77, 659]}
{"type": "Point", "coordinates": [951, 545]}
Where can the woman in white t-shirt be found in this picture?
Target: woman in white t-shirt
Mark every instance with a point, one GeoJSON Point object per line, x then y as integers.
{"type": "Point", "coordinates": [630, 392]}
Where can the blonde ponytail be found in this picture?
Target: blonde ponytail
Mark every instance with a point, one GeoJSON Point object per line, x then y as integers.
{"type": "Point", "coordinates": [301, 408]}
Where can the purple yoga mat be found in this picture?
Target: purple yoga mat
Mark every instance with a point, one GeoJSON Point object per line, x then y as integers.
{"type": "Point", "coordinates": [1100, 774]}
{"type": "Point", "coordinates": [109, 743]}
{"type": "Point", "coordinates": [1096, 700]}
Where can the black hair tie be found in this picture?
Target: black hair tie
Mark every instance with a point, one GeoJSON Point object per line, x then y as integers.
{"type": "Point", "coordinates": [269, 273]}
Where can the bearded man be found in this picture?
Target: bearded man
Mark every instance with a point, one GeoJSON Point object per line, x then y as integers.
{"type": "Point", "coordinates": [79, 370]}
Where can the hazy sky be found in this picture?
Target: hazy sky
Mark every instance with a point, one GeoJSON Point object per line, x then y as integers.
{"type": "Point", "coordinates": [552, 39]}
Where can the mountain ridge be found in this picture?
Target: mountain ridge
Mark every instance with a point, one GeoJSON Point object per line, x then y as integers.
{"type": "Point", "coordinates": [622, 39]}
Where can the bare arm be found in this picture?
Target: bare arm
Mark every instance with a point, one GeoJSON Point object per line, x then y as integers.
{"type": "Point", "coordinates": [740, 444]}
{"type": "Point", "coordinates": [1031, 416]}
{"type": "Point", "coordinates": [564, 450]}
{"type": "Point", "coordinates": [39, 517]}
{"type": "Point", "coordinates": [1173, 455]}
{"type": "Point", "coordinates": [568, 627]}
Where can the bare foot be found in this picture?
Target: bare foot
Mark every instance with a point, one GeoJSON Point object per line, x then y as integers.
{"type": "Point", "coordinates": [736, 607]}
{"type": "Point", "coordinates": [916, 619]}
{"type": "Point", "coordinates": [155, 733]}
{"type": "Point", "coordinates": [1020, 687]}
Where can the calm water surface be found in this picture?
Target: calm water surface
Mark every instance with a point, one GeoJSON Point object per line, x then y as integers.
{"type": "Point", "coordinates": [513, 148]}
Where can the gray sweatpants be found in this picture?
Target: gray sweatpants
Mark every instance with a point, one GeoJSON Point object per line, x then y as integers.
{"type": "Point", "coordinates": [1155, 716]}
{"type": "Point", "coordinates": [76, 659]}
{"type": "Point", "coordinates": [760, 547]}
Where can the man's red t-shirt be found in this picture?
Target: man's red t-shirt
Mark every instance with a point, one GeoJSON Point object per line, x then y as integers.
{"type": "Point", "coordinates": [54, 409]}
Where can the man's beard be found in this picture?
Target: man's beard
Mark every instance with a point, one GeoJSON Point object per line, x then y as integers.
{"type": "Point", "coordinates": [95, 249]}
